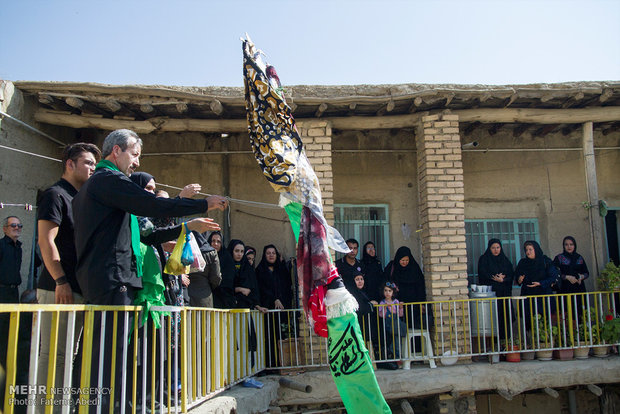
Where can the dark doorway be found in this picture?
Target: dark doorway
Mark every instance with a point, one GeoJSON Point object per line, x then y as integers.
{"type": "Point", "coordinates": [611, 230]}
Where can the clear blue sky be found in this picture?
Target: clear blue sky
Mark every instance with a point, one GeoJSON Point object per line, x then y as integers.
{"type": "Point", "coordinates": [196, 43]}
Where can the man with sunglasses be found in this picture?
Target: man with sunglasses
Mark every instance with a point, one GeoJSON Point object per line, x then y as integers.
{"type": "Point", "coordinates": [10, 260]}
{"type": "Point", "coordinates": [10, 278]}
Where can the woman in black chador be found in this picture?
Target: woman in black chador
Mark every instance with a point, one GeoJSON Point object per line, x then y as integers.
{"type": "Point", "coordinates": [573, 272]}
{"type": "Point", "coordinates": [406, 273]}
{"type": "Point", "coordinates": [536, 274]}
{"type": "Point", "coordinates": [373, 272]}
{"type": "Point", "coordinates": [276, 292]}
{"type": "Point", "coordinates": [495, 270]}
{"type": "Point", "coordinates": [573, 269]}
{"type": "Point", "coordinates": [224, 294]}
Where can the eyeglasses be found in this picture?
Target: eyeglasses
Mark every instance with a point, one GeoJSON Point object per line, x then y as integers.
{"type": "Point", "coordinates": [16, 226]}
{"type": "Point", "coordinates": [390, 285]}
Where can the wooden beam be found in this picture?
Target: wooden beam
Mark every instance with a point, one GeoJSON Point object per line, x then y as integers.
{"type": "Point", "coordinates": [417, 101]}
{"type": "Point", "coordinates": [511, 99]}
{"type": "Point", "coordinates": [613, 128]}
{"type": "Point", "coordinates": [406, 407]}
{"type": "Point", "coordinates": [551, 392]}
{"type": "Point", "coordinates": [449, 98]}
{"type": "Point", "coordinates": [596, 222]}
{"type": "Point", "coordinates": [147, 108]}
{"type": "Point", "coordinates": [74, 102]}
{"type": "Point", "coordinates": [470, 128]}
{"type": "Point", "coordinates": [181, 107]}
{"type": "Point", "coordinates": [217, 107]}
{"type": "Point", "coordinates": [387, 108]}
{"type": "Point", "coordinates": [81, 105]}
{"type": "Point", "coordinates": [542, 131]}
{"type": "Point", "coordinates": [568, 129]}
{"type": "Point", "coordinates": [494, 128]}
{"type": "Point", "coordinates": [483, 115]}
{"type": "Point", "coordinates": [573, 100]}
{"type": "Point", "coordinates": [112, 105]}
{"type": "Point", "coordinates": [320, 110]}
{"type": "Point", "coordinates": [352, 107]}
{"type": "Point", "coordinates": [540, 116]}
{"type": "Point", "coordinates": [143, 127]}
{"type": "Point", "coordinates": [505, 394]}
{"type": "Point", "coordinates": [546, 98]}
{"type": "Point", "coordinates": [293, 106]}
{"type": "Point", "coordinates": [607, 93]}
{"type": "Point", "coordinates": [46, 99]}
{"type": "Point", "coordinates": [595, 389]}
{"type": "Point", "coordinates": [519, 130]}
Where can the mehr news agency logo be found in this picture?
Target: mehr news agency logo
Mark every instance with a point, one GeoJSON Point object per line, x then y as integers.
{"type": "Point", "coordinates": [38, 395]}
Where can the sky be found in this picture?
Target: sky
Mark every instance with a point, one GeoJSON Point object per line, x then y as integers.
{"type": "Point", "coordinates": [196, 43]}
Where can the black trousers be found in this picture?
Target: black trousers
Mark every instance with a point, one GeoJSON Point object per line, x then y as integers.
{"type": "Point", "coordinates": [119, 296]}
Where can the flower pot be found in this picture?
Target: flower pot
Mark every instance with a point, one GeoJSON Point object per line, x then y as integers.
{"type": "Point", "coordinates": [601, 351]}
{"type": "Point", "coordinates": [513, 356]}
{"type": "Point", "coordinates": [528, 355]}
{"type": "Point", "coordinates": [546, 355]}
{"type": "Point", "coordinates": [582, 353]}
{"type": "Point", "coordinates": [563, 354]}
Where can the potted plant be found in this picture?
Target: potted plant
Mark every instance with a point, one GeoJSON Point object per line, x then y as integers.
{"type": "Point", "coordinates": [582, 332]}
{"type": "Point", "coordinates": [606, 333]}
{"type": "Point", "coordinates": [512, 345]}
{"type": "Point", "coordinates": [544, 339]}
{"type": "Point", "coordinates": [527, 354]}
{"type": "Point", "coordinates": [561, 354]}
{"type": "Point", "coordinates": [609, 278]}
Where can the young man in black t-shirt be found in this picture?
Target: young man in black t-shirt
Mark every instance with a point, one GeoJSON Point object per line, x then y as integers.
{"type": "Point", "coordinates": [57, 283]}
{"type": "Point", "coordinates": [348, 266]}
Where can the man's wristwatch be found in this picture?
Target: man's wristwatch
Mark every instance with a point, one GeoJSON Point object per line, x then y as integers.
{"type": "Point", "coordinates": [61, 280]}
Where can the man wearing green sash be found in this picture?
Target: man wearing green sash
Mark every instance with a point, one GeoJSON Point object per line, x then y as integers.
{"type": "Point", "coordinates": [107, 237]}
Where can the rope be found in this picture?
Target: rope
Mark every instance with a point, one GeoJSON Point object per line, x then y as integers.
{"type": "Point", "coordinates": [38, 131]}
{"type": "Point", "coordinates": [30, 153]}
{"type": "Point", "coordinates": [230, 199]}
{"type": "Point", "coordinates": [27, 207]}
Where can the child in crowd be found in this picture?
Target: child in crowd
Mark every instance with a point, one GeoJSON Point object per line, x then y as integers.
{"type": "Point", "coordinates": [392, 313]}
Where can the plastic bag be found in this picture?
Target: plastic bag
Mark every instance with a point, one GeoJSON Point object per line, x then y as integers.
{"type": "Point", "coordinates": [198, 265]}
{"type": "Point", "coordinates": [174, 265]}
{"type": "Point", "coordinates": [187, 257]}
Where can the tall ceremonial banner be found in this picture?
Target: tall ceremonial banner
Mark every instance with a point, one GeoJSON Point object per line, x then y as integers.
{"type": "Point", "coordinates": [329, 307]}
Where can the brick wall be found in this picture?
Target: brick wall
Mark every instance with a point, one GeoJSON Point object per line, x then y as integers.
{"type": "Point", "coordinates": [442, 217]}
{"type": "Point", "coordinates": [442, 207]}
{"type": "Point", "coordinates": [317, 138]}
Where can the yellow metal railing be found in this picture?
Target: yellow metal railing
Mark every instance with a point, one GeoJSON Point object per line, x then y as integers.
{"type": "Point", "coordinates": [198, 352]}
{"type": "Point", "coordinates": [120, 365]}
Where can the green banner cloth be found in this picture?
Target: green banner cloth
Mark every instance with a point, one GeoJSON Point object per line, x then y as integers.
{"type": "Point", "coordinates": [351, 368]}
{"type": "Point", "coordinates": [152, 292]}
{"type": "Point", "coordinates": [293, 210]}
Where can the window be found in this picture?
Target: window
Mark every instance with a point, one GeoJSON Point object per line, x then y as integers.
{"type": "Point", "coordinates": [367, 222]}
{"type": "Point", "coordinates": [512, 234]}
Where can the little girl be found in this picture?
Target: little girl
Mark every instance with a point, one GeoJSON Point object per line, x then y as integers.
{"type": "Point", "coordinates": [392, 313]}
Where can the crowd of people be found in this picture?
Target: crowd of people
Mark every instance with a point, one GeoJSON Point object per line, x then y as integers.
{"type": "Point", "coordinates": [105, 233]}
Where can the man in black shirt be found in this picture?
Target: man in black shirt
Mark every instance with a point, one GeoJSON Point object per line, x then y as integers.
{"type": "Point", "coordinates": [10, 278]}
{"type": "Point", "coordinates": [107, 240]}
{"type": "Point", "coordinates": [10, 260]}
{"type": "Point", "coordinates": [103, 212]}
{"type": "Point", "coordinates": [348, 266]}
{"type": "Point", "coordinates": [57, 282]}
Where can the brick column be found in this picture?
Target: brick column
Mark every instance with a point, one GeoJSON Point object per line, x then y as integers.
{"type": "Point", "coordinates": [317, 138]}
{"type": "Point", "coordinates": [442, 217]}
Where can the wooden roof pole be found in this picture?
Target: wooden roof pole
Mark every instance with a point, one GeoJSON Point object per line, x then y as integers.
{"type": "Point", "coordinates": [596, 221]}
{"type": "Point", "coordinates": [506, 116]}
